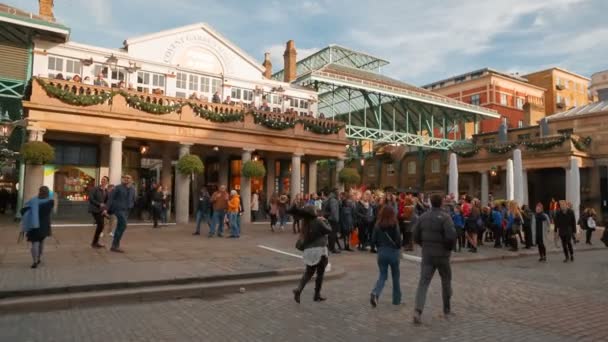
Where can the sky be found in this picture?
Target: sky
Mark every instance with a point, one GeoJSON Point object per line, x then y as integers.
{"type": "Point", "coordinates": [424, 40]}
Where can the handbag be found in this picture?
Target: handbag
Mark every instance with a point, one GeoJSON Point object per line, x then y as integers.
{"type": "Point", "coordinates": [300, 245]}
{"type": "Point", "coordinates": [591, 223]}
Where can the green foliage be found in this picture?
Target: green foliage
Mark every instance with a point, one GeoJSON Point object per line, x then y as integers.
{"type": "Point", "coordinates": [37, 153]}
{"type": "Point", "coordinates": [273, 123]}
{"type": "Point", "coordinates": [544, 144]}
{"type": "Point", "coordinates": [321, 129]}
{"type": "Point", "coordinates": [75, 99]}
{"type": "Point", "coordinates": [581, 144]}
{"type": "Point", "coordinates": [149, 107]}
{"type": "Point", "coordinates": [217, 117]}
{"type": "Point", "coordinates": [467, 153]}
{"type": "Point", "coordinates": [502, 148]}
{"type": "Point", "coordinates": [190, 164]}
{"type": "Point", "coordinates": [253, 169]}
{"type": "Point", "coordinates": [349, 176]}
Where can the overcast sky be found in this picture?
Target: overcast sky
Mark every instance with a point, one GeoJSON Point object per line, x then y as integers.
{"type": "Point", "coordinates": [424, 40]}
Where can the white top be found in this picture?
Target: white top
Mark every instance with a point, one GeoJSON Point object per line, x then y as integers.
{"type": "Point", "coordinates": [255, 203]}
{"type": "Point", "coordinates": [312, 256]}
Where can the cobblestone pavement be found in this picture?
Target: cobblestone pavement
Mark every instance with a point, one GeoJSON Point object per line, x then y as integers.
{"type": "Point", "coordinates": [513, 300]}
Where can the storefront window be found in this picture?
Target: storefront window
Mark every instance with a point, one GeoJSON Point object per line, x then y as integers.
{"type": "Point", "coordinates": [257, 183]}
{"type": "Point", "coordinates": [72, 183]}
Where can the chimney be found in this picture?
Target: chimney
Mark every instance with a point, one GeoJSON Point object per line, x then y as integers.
{"type": "Point", "coordinates": [267, 66]}
{"type": "Point", "coordinates": [45, 9]}
{"type": "Point", "coordinates": [289, 57]}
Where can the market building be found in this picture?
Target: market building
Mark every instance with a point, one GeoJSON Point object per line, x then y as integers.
{"type": "Point", "coordinates": [138, 108]}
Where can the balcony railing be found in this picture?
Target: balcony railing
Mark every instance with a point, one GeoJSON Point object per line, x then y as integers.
{"type": "Point", "coordinates": [114, 100]}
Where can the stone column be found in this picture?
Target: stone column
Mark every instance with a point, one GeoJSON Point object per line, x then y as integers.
{"type": "Point", "coordinates": [296, 178]}
{"type": "Point", "coordinates": [166, 173]}
{"type": "Point", "coordinates": [270, 177]}
{"type": "Point", "coordinates": [34, 174]}
{"type": "Point", "coordinates": [573, 183]}
{"type": "Point", "coordinates": [116, 158]}
{"type": "Point", "coordinates": [485, 188]}
{"type": "Point", "coordinates": [182, 190]}
{"type": "Point", "coordinates": [518, 185]}
{"type": "Point", "coordinates": [312, 177]}
{"type": "Point", "coordinates": [453, 175]}
{"type": "Point", "coordinates": [224, 169]}
{"type": "Point", "coordinates": [339, 167]}
{"type": "Point", "coordinates": [524, 177]}
{"type": "Point", "coordinates": [104, 160]}
{"type": "Point", "coordinates": [246, 188]}
{"type": "Point", "coordinates": [509, 182]}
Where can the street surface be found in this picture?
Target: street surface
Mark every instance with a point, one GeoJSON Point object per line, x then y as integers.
{"type": "Point", "coordinates": [513, 300]}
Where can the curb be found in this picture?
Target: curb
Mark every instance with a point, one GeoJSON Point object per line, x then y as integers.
{"type": "Point", "coordinates": [146, 283]}
{"type": "Point", "coordinates": [519, 255]}
{"type": "Point", "coordinates": [70, 300]}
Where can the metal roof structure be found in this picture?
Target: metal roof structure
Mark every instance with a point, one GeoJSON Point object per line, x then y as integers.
{"type": "Point", "coordinates": [379, 108]}
{"type": "Point", "coordinates": [592, 108]}
{"type": "Point", "coordinates": [335, 54]}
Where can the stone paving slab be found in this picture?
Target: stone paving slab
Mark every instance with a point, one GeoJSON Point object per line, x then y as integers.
{"type": "Point", "coordinates": [151, 254]}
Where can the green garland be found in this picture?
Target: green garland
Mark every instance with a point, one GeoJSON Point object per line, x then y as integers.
{"type": "Point", "coordinates": [544, 145]}
{"type": "Point", "coordinates": [581, 144]}
{"type": "Point", "coordinates": [149, 107]}
{"type": "Point", "coordinates": [217, 117]}
{"type": "Point", "coordinates": [272, 123]}
{"type": "Point", "coordinates": [501, 149]}
{"type": "Point", "coordinates": [74, 99]}
{"type": "Point", "coordinates": [466, 154]}
{"type": "Point", "coordinates": [320, 129]}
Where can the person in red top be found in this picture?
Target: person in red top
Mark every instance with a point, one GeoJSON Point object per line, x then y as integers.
{"type": "Point", "coordinates": [466, 206]}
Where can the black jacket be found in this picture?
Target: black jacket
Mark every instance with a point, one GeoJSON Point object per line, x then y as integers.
{"type": "Point", "coordinates": [319, 229]}
{"type": "Point", "coordinates": [565, 222]}
{"type": "Point", "coordinates": [97, 197]}
{"type": "Point", "coordinates": [386, 237]}
{"type": "Point", "coordinates": [435, 232]}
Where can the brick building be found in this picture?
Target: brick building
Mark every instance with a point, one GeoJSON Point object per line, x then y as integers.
{"type": "Point", "coordinates": [565, 89]}
{"type": "Point", "coordinates": [519, 102]}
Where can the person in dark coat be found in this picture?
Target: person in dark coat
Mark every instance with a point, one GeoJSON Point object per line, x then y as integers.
{"type": "Point", "coordinates": [203, 210]}
{"type": "Point", "coordinates": [156, 204]}
{"type": "Point", "coordinates": [36, 222]}
{"type": "Point", "coordinates": [120, 203]}
{"type": "Point", "coordinates": [347, 220]}
{"type": "Point", "coordinates": [313, 242]}
{"type": "Point", "coordinates": [98, 198]}
{"type": "Point", "coordinates": [565, 226]}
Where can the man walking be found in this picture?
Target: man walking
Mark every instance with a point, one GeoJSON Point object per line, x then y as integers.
{"type": "Point", "coordinates": [97, 207]}
{"type": "Point", "coordinates": [120, 202]}
{"type": "Point", "coordinates": [219, 201]}
{"type": "Point", "coordinates": [434, 232]}
{"type": "Point", "coordinates": [332, 214]}
{"type": "Point", "coordinates": [203, 211]}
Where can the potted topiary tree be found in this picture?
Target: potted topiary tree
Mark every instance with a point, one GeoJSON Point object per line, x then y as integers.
{"type": "Point", "coordinates": [349, 176]}
{"type": "Point", "coordinates": [190, 164]}
{"type": "Point", "coordinates": [35, 154]}
{"type": "Point", "coordinates": [253, 169]}
{"type": "Point", "coordinates": [187, 166]}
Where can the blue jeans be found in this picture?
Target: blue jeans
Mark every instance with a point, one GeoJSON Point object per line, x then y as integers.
{"type": "Point", "coordinates": [217, 221]}
{"type": "Point", "coordinates": [388, 256]}
{"type": "Point", "coordinates": [235, 229]}
{"type": "Point", "coordinates": [283, 219]}
{"type": "Point", "coordinates": [202, 217]}
{"type": "Point", "coordinates": [121, 226]}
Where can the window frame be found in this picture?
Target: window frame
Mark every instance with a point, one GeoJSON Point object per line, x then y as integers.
{"type": "Point", "coordinates": [435, 165]}
{"type": "Point", "coordinates": [476, 99]}
{"type": "Point", "coordinates": [504, 100]}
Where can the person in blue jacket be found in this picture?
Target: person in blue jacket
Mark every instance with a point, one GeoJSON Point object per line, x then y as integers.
{"type": "Point", "coordinates": [459, 225]}
{"type": "Point", "coordinates": [496, 225]}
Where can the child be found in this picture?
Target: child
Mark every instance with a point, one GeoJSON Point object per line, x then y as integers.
{"type": "Point", "coordinates": [459, 225]}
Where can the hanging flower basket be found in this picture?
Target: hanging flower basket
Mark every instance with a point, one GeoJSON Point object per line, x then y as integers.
{"type": "Point", "coordinates": [253, 169]}
{"type": "Point", "coordinates": [37, 153]}
{"type": "Point", "coordinates": [349, 176]}
{"type": "Point", "coordinates": [190, 164]}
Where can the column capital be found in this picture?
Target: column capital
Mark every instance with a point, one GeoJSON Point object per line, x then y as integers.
{"type": "Point", "coordinates": [298, 154]}
{"type": "Point", "coordinates": [249, 149]}
{"type": "Point", "coordinates": [186, 144]}
{"type": "Point", "coordinates": [117, 137]}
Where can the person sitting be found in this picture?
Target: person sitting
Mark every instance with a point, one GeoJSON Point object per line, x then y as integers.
{"type": "Point", "coordinates": [228, 100]}
{"type": "Point", "coordinates": [121, 85]}
{"type": "Point", "coordinates": [216, 98]}
{"type": "Point", "coordinates": [87, 80]}
{"type": "Point", "coordinates": [59, 76]}
{"type": "Point", "coordinates": [193, 96]}
{"type": "Point", "coordinates": [76, 79]}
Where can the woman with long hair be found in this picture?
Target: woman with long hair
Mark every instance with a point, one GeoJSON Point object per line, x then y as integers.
{"type": "Point", "coordinates": [540, 224]}
{"type": "Point", "coordinates": [36, 222]}
{"type": "Point", "coordinates": [313, 242]}
{"type": "Point", "coordinates": [274, 210]}
{"type": "Point", "coordinates": [365, 219]}
{"type": "Point", "coordinates": [514, 224]}
{"type": "Point", "coordinates": [387, 238]}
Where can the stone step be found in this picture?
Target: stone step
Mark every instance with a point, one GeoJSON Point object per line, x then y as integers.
{"type": "Point", "coordinates": [144, 293]}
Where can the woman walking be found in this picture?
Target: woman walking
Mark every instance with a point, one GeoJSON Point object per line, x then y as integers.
{"type": "Point", "coordinates": [388, 241]}
{"type": "Point", "coordinates": [313, 242]}
{"type": "Point", "coordinates": [36, 222]}
{"type": "Point", "coordinates": [565, 225]}
{"type": "Point", "coordinates": [347, 220]}
{"type": "Point", "coordinates": [273, 211]}
{"type": "Point", "coordinates": [540, 228]}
